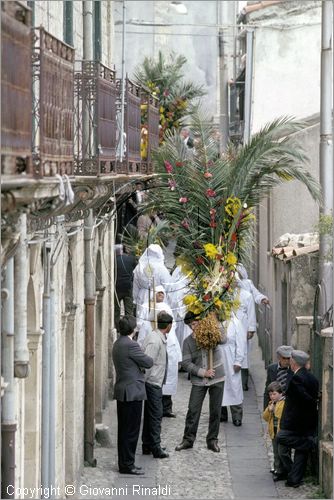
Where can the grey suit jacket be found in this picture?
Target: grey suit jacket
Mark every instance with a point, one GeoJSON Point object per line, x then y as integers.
{"type": "Point", "coordinates": [128, 360]}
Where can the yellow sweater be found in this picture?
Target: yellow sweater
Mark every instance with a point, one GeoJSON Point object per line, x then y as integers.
{"type": "Point", "coordinates": [269, 417]}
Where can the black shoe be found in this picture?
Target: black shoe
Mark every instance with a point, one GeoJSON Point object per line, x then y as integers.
{"type": "Point", "coordinates": [160, 453]}
{"type": "Point", "coordinates": [183, 446]}
{"type": "Point", "coordinates": [223, 419]}
{"type": "Point", "coordinates": [237, 423]}
{"type": "Point", "coordinates": [134, 471]}
{"type": "Point", "coordinates": [245, 387]}
{"type": "Point", "coordinates": [293, 485]}
{"type": "Point", "coordinates": [213, 446]}
{"type": "Point", "coordinates": [279, 477]}
{"type": "Point", "coordinates": [137, 467]}
{"type": "Point", "coordinates": [146, 450]}
{"type": "Point", "coordinates": [169, 414]}
{"type": "Point", "coordinates": [273, 471]}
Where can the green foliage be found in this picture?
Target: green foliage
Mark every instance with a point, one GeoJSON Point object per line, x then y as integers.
{"type": "Point", "coordinates": [245, 173]}
{"type": "Point", "coordinates": [165, 79]}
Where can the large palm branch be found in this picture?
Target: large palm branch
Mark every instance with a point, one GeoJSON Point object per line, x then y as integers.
{"type": "Point", "coordinates": [247, 174]}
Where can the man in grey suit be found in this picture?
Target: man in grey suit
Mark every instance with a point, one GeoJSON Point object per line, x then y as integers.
{"type": "Point", "coordinates": [129, 391]}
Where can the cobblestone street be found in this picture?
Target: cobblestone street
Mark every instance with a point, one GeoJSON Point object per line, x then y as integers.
{"type": "Point", "coordinates": [240, 470]}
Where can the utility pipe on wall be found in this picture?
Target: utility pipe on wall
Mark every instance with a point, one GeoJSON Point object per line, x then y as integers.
{"type": "Point", "coordinates": [46, 340]}
{"type": "Point", "coordinates": [8, 420]}
{"type": "Point", "coordinates": [326, 152]}
{"type": "Point", "coordinates": [248, 84]}
{"type": "Point", "coordinates": [89, 422]}
{"type": "Point", "coordinates": [88, 111]}
{"type": "Point", "coordinates": [21, 351]}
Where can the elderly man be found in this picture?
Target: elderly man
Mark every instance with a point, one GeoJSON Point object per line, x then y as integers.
{"type": "Point", "coordinates": [278, 371]}
{"type": "Point", "coordinates": [145, 324]}
{"type": "Point", "coordinates": [155, 346]}
{"type": "Point", "coordinates": [299, 419]}
{"type": "Point", "coordinates": [203, 380]}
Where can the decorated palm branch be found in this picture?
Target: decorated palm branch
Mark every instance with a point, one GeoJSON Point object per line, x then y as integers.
{"type": "Point", "coordinates": [164, 77]}
{"type": "Point", "coordinates": [210, 203]}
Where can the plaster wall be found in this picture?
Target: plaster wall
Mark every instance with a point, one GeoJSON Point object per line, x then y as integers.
{"type": "Point", "coordinates": [287, 48]}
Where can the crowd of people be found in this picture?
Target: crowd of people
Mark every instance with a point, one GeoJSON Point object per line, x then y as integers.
{"type": "Point", "coordinates": [161, 339]}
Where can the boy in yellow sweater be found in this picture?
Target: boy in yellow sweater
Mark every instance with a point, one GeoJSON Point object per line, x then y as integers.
{"type": "Point", "coordinates": [272, 414]}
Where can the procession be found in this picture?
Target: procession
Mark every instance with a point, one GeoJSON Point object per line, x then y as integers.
{"type": "Point", "coordinates": [166, 249]}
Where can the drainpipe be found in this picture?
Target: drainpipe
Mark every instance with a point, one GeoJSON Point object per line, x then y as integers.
{"type": "Point", "coordinates": [46, 349]}
{"type": "Point", "coordinates": [87, 130]}
{"type": "Point", "coordinates": [89, 422]}
{"type": "Point", "coordinates": [52, 386]}
{"type": "Point", "coordinates": [21, 352]}
{"type": "Point", "coordinates": [326, 153]}
{"type": "Point", "coordinates": [223, 78]}
{"type": "Point", "coordinates": [8, 422]}
{"type": "Point", "coordinates": [248, 85]}
{"type": "Point", "coordinates": [121, 139]}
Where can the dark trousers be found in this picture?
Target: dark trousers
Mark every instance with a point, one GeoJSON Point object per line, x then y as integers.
{"type": "Point", "coordinates": [167, 404]}
{"type": "Point", "coordinates": [195, 404]}
{"type": "Point", "coordinates": [278, 464]}
{"type": "Point", "coordinates": [236, 412]}
{"type": "Point", "coordinates": [129, 418]}
{"type": "Point", "coordinates": [302, 446]}
{"type": "Point", "coordinates": [152, 417]}
{"type": "Point", "coordinates": [126, 297]}
{"type": "Point", "coordinates": [244, 378]}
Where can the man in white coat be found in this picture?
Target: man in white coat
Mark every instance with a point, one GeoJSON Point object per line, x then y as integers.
{"type": "Point", "coordinates": [246, 315]}
{"type": "Point", "coordinates": [248, 285]}
{"type": "Point", "coordinates": [150, 271]}
{"type": "Point", "coordinates": [179, 289]}
{"type": "Point", "coordinates": [259, 298]}
{"type": "Point", "coordinates": [145, 324]}
{"type": "Point", "coordinates": [234, 352]}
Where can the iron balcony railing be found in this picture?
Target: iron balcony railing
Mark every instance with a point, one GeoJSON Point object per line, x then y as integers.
{"type": "Point", "coordinates": [95, 119]}
{"type": "Point", "coordinates": [53, 106]}
{"type": "Point", "coordinates": [16, 95]}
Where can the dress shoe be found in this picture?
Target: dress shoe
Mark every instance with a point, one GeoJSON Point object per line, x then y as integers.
{"type": "Point", "coordinates": [147, 450]}
{"type": "Point", "coordinates": [137, 467]}
{"type": "Point", "coordinates": [293, 485]}
{"type": "Point", "coordinates": [272, 471]}
{"type": "Point", "coordinates": [160, 453]}
{"type": "Point", "coordinates": [279, 477]}
{"type": "Point", "coordinates": [169, 414]}
{"type": "Point", "coordinates": [185, 445]}
{"type": "Point", "coordinates": [237, 423]}
{"type": "Point", "coordinates": [134, 471]}
{"type": "Point", "coordinates": [213, 446]}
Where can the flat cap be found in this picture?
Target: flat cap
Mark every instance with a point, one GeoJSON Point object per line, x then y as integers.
{"type": "Point", "coordinates": [284, 351]}
{"type": "Point", "coordinates": [300, 357]}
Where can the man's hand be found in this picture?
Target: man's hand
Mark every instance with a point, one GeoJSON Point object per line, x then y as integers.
{"type": "Point", "coordinates": [236, 368]}
{"type": "Point", "coordinates": [209, 373]}
{"type": "Point", "coordinates": [250, 335]}
{"type": "Point", "coordinates": [265, 301]}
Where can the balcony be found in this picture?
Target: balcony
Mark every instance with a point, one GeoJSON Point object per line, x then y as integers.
{"type": "Point", "coordinates": [16, 94]}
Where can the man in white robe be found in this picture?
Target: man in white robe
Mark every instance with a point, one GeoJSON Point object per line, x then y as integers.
{"type": "Point", "coordinates": [248, 285]}
{"type": "Point", "coordinates": [149, 271]}
{"type": "Point", "coordinates": [246, 315]}
{"type": "Point", "coordinates": [145, 322]}
{"type": "Point", "coordinates": [234, 352]}
{"type": "Point", "coordinates": [179, 289]}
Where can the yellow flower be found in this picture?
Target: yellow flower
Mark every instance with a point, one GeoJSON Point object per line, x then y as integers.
{"type": "Point", "coordinates": [210, 251]}
{"type": "Point", "coordinates": [218, 303]}
{"type": "Point", "coordinates": [231, 259]}
{"type": "Point", "coordinates": [189, 299]}
{"type": "Point", "coordinates": [196, 308]}
{"type": "Point", "coordinates": [232, 206]}
{"type": "Point", "coordinates": [161, 109]}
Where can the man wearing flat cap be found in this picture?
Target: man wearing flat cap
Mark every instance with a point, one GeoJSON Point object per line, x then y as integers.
{"type": "Point", "coordinates": [299, 419]}
{"type": "Point", "coordinates": [278, 371]}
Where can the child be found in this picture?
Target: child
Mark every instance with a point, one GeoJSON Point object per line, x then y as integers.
{"type": "Point", "coordinates": [272, 414]}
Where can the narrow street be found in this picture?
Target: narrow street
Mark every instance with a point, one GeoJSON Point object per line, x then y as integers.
{"type": "Point", "coordinates": [240, 470]}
